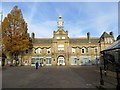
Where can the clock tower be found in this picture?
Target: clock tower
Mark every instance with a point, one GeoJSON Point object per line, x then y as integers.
{"type": "Point", "coordinates": [60, 22]}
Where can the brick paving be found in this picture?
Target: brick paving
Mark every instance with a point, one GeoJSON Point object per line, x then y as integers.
{"type": "Point", "coordinates": [51, 77]}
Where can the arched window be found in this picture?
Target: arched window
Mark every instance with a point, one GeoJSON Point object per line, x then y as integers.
{"type": "Point", "coordinates": [34, 50]}
{"type": "Point", "coordinates": [96, 50]}
{"type": "Point", "coordinates": [48, 50]}
{"type": "Point", "coordinates": [86, 50]}
{"type": "Point", "coordinates": [83, 51]}
{"type": "Point", "coordinates": [73, 50]}
{"type": "Point", "coordinates": [39, 50]}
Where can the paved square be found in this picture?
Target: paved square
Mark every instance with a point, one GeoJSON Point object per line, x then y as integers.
{"type": "Point", "coordinates": [51, 77]}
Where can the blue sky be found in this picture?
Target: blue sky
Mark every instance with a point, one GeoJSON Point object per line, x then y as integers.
{"type": "Point", "coordinates": [79, 17]}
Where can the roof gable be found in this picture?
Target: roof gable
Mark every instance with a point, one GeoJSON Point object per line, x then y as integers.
{"type": "Point", "coordinates": [104, 35]}
{"type": "Point", "coordinates": [61, 31]}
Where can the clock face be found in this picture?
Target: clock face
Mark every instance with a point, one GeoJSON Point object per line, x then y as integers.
{"type": "Point", "coordinates": [60, 23]}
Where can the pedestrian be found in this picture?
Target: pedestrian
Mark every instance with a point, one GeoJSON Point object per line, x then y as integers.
{"type": "Point", "coordinates": [36, 65]}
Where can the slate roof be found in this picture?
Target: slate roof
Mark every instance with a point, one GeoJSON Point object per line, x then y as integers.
{"type": "Point", "coordinates": [71, 40]}
{"type": "Point", "coordinates": [42, 41]}
{"type": "Point", "coordinates": [83, 40]}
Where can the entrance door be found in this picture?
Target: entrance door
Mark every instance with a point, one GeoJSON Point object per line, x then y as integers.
{"type": "Point", "coordinates": [61, 61]}
{"type": "Point", "coordinates": [73, 60]}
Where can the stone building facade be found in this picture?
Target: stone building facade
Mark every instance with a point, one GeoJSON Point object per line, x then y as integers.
{"type": "Point", "coordinates": [63, 50]}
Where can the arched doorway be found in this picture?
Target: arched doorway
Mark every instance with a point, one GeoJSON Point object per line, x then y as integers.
{"type": "Point", "coordinates": [61, 60]}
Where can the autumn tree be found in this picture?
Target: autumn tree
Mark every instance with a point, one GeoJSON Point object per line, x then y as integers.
{"type": "Point", "coordinates": [16, 40]}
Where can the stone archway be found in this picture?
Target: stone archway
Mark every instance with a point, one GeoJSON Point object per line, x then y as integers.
{"type": "Point", "coordinates": [60, 60]}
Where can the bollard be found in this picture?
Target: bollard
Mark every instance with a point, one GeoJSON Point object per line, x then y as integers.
{"type": "Point", "coordinates": [101, 77]}
{"type": "Point", "coordinates": [105, 72]}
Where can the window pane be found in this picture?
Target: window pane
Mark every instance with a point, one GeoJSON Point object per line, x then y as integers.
{"type": "Point", "coordinates": [86, 50]}
{"type": "Point", "coordinates": [33, 60]}
{"type": "Point", "coordinates": [48, 60]}
{"type": "Point", "coordinates": [82, 50]}
{"type": "Point", "coordinates": [58, 38]}
{"type": "Point", "coordinates": [41, 60]}
{"type": "Point", "coordinates": [63, 37]}
{"type": "Point", "coordinates": [73, 50]}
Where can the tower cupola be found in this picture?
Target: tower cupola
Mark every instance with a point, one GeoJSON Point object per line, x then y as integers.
{"type": "Point", "coordinates": [60, 22]}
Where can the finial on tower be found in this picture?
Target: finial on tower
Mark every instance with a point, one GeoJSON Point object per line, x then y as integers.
{"type": "Point", "coordinates": [60, 22]}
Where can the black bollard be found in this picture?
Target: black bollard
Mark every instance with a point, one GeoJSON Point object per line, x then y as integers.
{"type": "Point", "coordinates": [105, 73]}
{"type": "Point", "coordinates": [101, 77]}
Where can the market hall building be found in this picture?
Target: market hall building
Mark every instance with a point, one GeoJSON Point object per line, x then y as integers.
{"type": "Point", "coordinates": [63, 50]}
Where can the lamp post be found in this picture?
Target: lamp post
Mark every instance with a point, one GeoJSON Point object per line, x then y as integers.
{"type": "Point", "coordinates": [96, 57]}
{"type": "Point", "coordinates": [104, 63]}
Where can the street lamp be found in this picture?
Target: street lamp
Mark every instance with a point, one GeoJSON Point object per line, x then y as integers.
{"type": "Point", "coordinates": [104, 63]}
{"type": "Point", "coordinates": [96, 57]}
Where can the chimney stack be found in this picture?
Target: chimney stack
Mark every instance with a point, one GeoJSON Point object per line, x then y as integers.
{"type": "Point", "coordinates": [88, 37]}
{"type": "Point", "coordinates": [111, 33]}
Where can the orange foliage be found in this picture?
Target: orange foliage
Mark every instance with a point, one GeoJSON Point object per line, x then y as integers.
{"type": "Point", "coordinates": [14, 32]}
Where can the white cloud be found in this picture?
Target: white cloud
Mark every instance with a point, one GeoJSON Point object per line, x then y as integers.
{"type": "Point", "coordinates": [76, 29]}
{"type": "Point", "coordinates": [33, 11]}
{"type": "Point", "coordinates": [43, 30]}
{"type": "Point", "coordinates": [102, 21]}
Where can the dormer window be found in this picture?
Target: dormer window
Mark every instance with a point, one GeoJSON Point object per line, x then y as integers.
{"type": "Point", "coordinates": [57, 37]}
{"type": "Point", "coordinates": [34, 50]}
{"type": "Point", "coordinates": [48, 51]}
{"type": "Point", "coordinates": [63, 37]}
{"type": "Point", "coordinates": [73, 50]}
{"type": "Point", "coordinates": [83, 50]}
{"type": "Point", "coordinates": [38, 51]}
